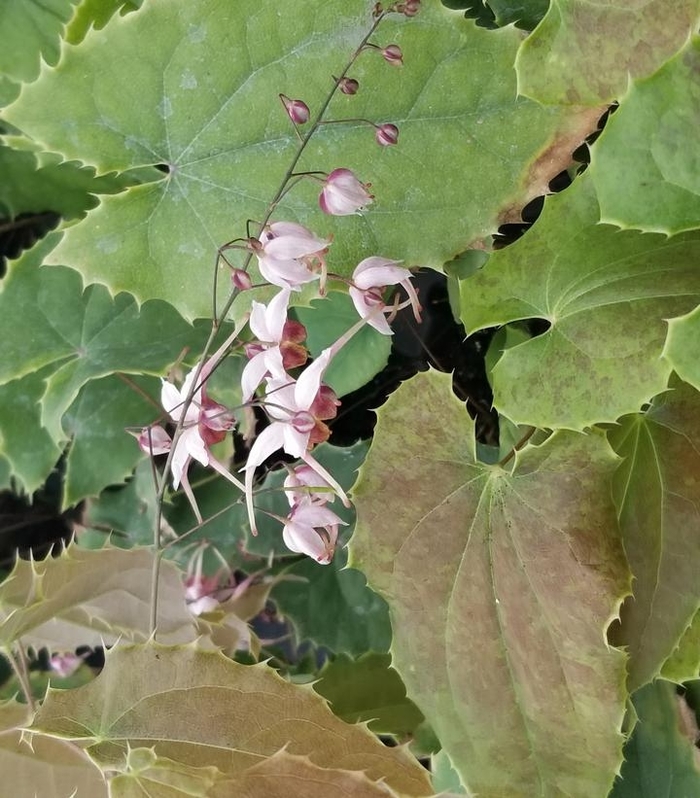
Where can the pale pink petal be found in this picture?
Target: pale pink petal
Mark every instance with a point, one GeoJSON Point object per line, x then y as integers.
{"type": "Point", "coordinates": [309, 382]}
{"type": "Point", "coordinates": [376, 272]}
{"type": "Point", "coordinates": [253, 374]}
{"type": "Point", "coordinates": [276, 316]}
{"type": "Point", "coordinates": [285, 273]}
{"type": "Point", "coordinates": [154, 440]}
{"type": "Point", "coordinates": [368, 312]}
{"type": "Point", "coordinates": [305, 540]}
{"type": "Point", "coordinates": [171, 400]}
{"type": "Point", "coordinates": [269, 441]}
{"type": "Point", "coordinates": [295, 442]}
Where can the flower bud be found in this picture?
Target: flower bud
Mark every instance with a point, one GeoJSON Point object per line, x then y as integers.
{"type": "Point", "coordinates": [297, 110]}
{"type": "Point", "coordinates": [393, 55]}
{"type": "Point", "coordinates": [343, 194]}
{"type": "Point", "coordinates": [154, 440]}
{"type": "Point", "coordinates": [409, 8]}
{"type": "Point", "coordinates": [386, 135]}
{"type": "Point", "coordinates": [241, 280]}
{"type": "Point", "coordinates": [348, 85]}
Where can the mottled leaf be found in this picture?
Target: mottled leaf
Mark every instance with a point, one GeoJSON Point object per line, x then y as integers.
{"type": "Point", "coordinates": [646, 140]}
{"type": "Point", "coordinates": [90, 598]}
{"type": "Point", "coordinates": [226, 141]}
{"type": "Point", "coordinates": [583, 53]}
{"type": "Point", "coordinates": [606, 294]}
{"type": "Point", "coordinates": [657, 492]}
{"type": "Point", "coordinates": [201, 709]}
{"type": "Point", "coordinates": [659, 759]}
{"type": "Point", "coordinates": [500, 588]}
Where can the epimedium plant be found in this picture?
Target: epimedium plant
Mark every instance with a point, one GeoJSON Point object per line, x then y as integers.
{"type": "Point", "coordinates": [242, 187]}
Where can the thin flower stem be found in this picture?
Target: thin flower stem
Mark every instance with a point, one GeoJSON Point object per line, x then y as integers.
{"type": "Point", "coordinates": [18, 661]}
{"type": "Point", "coordinates": [518, 446]}
{"type": "Point", "coordinates": [219, 318]}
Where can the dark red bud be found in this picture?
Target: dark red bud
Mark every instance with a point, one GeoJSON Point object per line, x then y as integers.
{"type": "Point", "coordinates": [293, 331]}
{"type": "Point", "coordinates": [348, 85]}
{"type": "Point", "coordinates": [386, 135]}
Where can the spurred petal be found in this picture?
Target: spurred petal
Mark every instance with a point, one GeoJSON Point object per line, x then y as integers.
{"type": "Point", "coordinates": [377, 272]}
{"type": "Point", "coordinates": [309, 382]}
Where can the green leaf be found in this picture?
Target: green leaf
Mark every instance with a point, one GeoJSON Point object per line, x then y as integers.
{"type": "Point", "coordinates": [47, 318]}
{"type": "Point", "coordinates": [500, 588]}
{"type": "Point", "coordinates": [364, 356]}
{"type": "Point", "coordinates": [39, 765]}
{"type": "Point", "coordinates": [658, 501]}
{"type": "Point", "coordinates": [659, 758]}
{"type": "Point", "coordinates": [584, 53]}
{"type": "Point", "coordinates": [90, 598]}
{"type": "Point", "coordinates": [445, 778]}
{"type": "Point", "coordinates": [96, 14]}
{"type": "Point", "coordinates": [67, 188]}
{"type": "Point", "coordinates": [97, 423]}
{"type": "Point", "coordinates": [684, 663]}
{"type": "Point", "coordinates": [30, 32]}
{"type": "Point", "coordinates": [369, 689]}
{"type": "Point", "coordinates": [227, 141]}
{"type": "Point", "coordinates": [606, 293]}
{"type": "Point", "coordinates": [682, 349]}
{"type": "Point", "coordinates": [200, 709]}
{"type": "Point", "coordinates": [334, 607]}
{"type": "Point", "coordinates": [30, 451]}
{"type": "Point", "coordinates": [646, 141]}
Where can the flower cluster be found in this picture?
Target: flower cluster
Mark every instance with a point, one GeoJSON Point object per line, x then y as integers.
{"type": "Point", "coordinates": [278, 376]}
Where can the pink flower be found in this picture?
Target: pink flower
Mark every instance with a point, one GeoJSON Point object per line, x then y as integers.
{"type": "Point", "coordinates": [312, 529]}
{"type": "Point", "coordinates": [386, 135]}
{"type": "Point", "coordinates": [303, 484]}
{"type": "Point", "coordinates": [154, 440]}
{"type": "Point", "coordinates": [204, 423]}
{"type": "Point", "coordinates": [65, 665]}
{"type": "Point", "coordinates": [289, 254]}
{"type": "Point", "coordinates": [343, 194]}
{"type": "Point", "coordinates": [370, 278]}
{"type": "Point", "coordinates": [275, 335]}
{"type": "Point", "coordinates": [297, 110]}
{"type": "Point", "coordinates": [297, 425]}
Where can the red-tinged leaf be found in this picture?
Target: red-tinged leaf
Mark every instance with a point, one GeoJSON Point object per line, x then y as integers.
{"type": "Point", "coordinates": [501, 587]}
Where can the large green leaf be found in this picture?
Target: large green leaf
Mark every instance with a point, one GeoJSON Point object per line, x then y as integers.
{"type": "Point", "coordinates": [200, 709]}
{"type": "Point", "coordinates": [682, 348]}
{"type": "Point", "coordinates": [227, 142]}
{"type": "Point", "coordinates": [90, 598]}
{"type": "Point", "coordinates": [659, 758]}
{"type": "Point", "coordinates": [583, 53]}
{"type": "Point", "coordinates": [500, 588]}
{"type": "Point", "coordinates": [47, 318]}
{"type": "Point", "coordinates": [647, 141]}
{"type": "Point", "coordinates": [606, 293]}
{"type": "Point", "coordinates": [29, 31]}
{"type": "Point", "coordinates": [657, 491]}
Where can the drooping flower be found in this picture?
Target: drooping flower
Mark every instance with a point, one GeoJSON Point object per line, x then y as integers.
{"type": "Point", "coordinates": [289, 255]}
{"type": "Point", "coordinates": [154, 440]}
{"type": "Point", "coordinates": [343, 194]}
{"type": "Point", "coordinates": [312, 529]}
{"type": "Point", "coordinates": [303, 484]}
{"type": "Point", "coordinates": [370, 278]}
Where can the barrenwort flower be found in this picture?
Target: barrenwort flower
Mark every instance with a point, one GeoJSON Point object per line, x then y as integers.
{"type": "Point", "coordinates": [343, 194]}
{"type": "Point", "coordinates": [386, 135]}
{"type": "Point", "coordinates": [290, 255]}
{"type": "Point", "coordinates": [312, 529]}
{"type": "Point", "coordinates": [297, 110]}
{"type": "Point", "coordinates": [370, 278]}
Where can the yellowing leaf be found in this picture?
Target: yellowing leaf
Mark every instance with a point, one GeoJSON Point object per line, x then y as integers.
{"type": "Point", "coordinates": [200, 709]}
{"type": "Point", "coordinates": [90, 598]}
{"type": "Point", "coordinates": [500, 587]}
{"type": "Point", "coordinates": [34, 765]}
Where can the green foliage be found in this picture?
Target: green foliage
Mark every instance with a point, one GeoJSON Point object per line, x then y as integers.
{"type": "Point", "coordinates": [584, 53]}
{"type": "Point", "coordinates": [659, 758]}
{"type": "Point", "coordinates": [159, 240]}
{"type": "Point", "coordinates": [500, 587]}
{"type": "Point", "coordinates": [585, 279]}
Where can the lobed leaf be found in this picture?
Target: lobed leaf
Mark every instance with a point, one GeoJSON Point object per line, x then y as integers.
{"type": "Point", "coordinates": [226, 142]}
{"type": "Point", "coordinates": [199, 709]}
{"type": "Point", "coordinates": [90, 598]}
{"type": "Point", "coordinates": [583, 53]}
{"type": "Point", "coordinates": [606, 294]}
{"type": "Point", "coordinates": [645, 140]}
{"type": "Point", "coordinates": [658, 501]}
{"type": "Point", "coordinates": [500, 588]}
